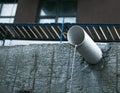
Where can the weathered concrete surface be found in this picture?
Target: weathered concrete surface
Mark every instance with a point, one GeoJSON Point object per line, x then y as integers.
{"type": "Point", "coordinates": [47, 68]}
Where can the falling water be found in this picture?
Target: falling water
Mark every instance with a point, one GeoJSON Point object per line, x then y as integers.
{"type": "Point", "coordinates": [72, 69]}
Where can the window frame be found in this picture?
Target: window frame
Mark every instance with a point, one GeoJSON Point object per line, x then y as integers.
{"type": "Point", "coordinates": [57, 14]}
{"type": "Point", "coordinates": [5, 17]}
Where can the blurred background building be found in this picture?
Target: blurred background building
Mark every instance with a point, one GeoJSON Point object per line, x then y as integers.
{"type": "Point", "coordinates": [53, 11]}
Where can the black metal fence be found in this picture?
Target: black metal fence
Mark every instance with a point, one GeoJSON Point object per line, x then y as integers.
{"type": "Point", "coordinates": [54, 32]}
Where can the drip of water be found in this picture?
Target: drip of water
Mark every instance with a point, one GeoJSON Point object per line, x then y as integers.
{"type": "Point", "coordinates": [72, 69]}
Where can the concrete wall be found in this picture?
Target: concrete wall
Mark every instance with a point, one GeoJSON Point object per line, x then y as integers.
{"type": "Point", "coordinates": [46, 68]}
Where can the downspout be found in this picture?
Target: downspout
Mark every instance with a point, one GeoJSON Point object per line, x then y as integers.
{"type": "Point", "coordinates": [85, 45]}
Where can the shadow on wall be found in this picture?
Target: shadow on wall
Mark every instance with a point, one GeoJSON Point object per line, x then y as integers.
{"type": "Point", "coordinates": [101, 77]}
{"type": "Point", "coordinates": [25, 91]}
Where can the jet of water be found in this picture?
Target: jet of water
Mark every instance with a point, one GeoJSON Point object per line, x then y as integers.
{"type": "Point", "coordinates": [72, 69]}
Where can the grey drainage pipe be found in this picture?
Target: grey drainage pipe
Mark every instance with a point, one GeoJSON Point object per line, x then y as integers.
{"type": "Point", "coordinates": [85, 45]}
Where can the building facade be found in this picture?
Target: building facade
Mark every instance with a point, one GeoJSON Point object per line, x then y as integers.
{"type": "Point", "coordinates": [54, 11]}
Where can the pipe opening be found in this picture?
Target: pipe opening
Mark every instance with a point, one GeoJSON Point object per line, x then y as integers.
{"type": "Point", "coordinates": [76, 35]}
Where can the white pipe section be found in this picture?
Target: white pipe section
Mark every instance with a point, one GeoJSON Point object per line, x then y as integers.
{"type": "Point", "coordinates": [85, 45]}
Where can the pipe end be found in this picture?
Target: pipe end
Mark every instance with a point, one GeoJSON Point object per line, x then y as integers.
{"type": "Point", "coordinates": [76, 35]}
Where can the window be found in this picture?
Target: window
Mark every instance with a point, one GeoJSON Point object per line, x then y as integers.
{"type": "Point", "coordinates": [47, 20]}
{"type": "Point", "coordinates": [67, 19]}
{"type": "Point", "coordinates": [7, 12]}
{"type": "Point", "coordinates": [53, 11]}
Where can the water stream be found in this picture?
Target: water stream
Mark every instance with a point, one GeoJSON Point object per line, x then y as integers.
{"type": "Point", "coordinates": [72, 69]}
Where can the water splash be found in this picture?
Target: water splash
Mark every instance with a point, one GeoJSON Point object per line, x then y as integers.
{"type": "Point", "coordinates": [72, 69]}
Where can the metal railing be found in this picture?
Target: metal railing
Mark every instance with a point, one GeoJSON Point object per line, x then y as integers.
{"type": "Point", "coordinates": [52, 32]}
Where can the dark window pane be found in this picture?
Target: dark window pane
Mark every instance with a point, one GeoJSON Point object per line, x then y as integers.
{"type": "Point", "coordinates": [68, 7]}
{"type": "Point", "coordinates": [48, 8]}
{"type": "Point", "coordinates": [8, 1]}
{"type": "Point", "coordinates": [0, 6]}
